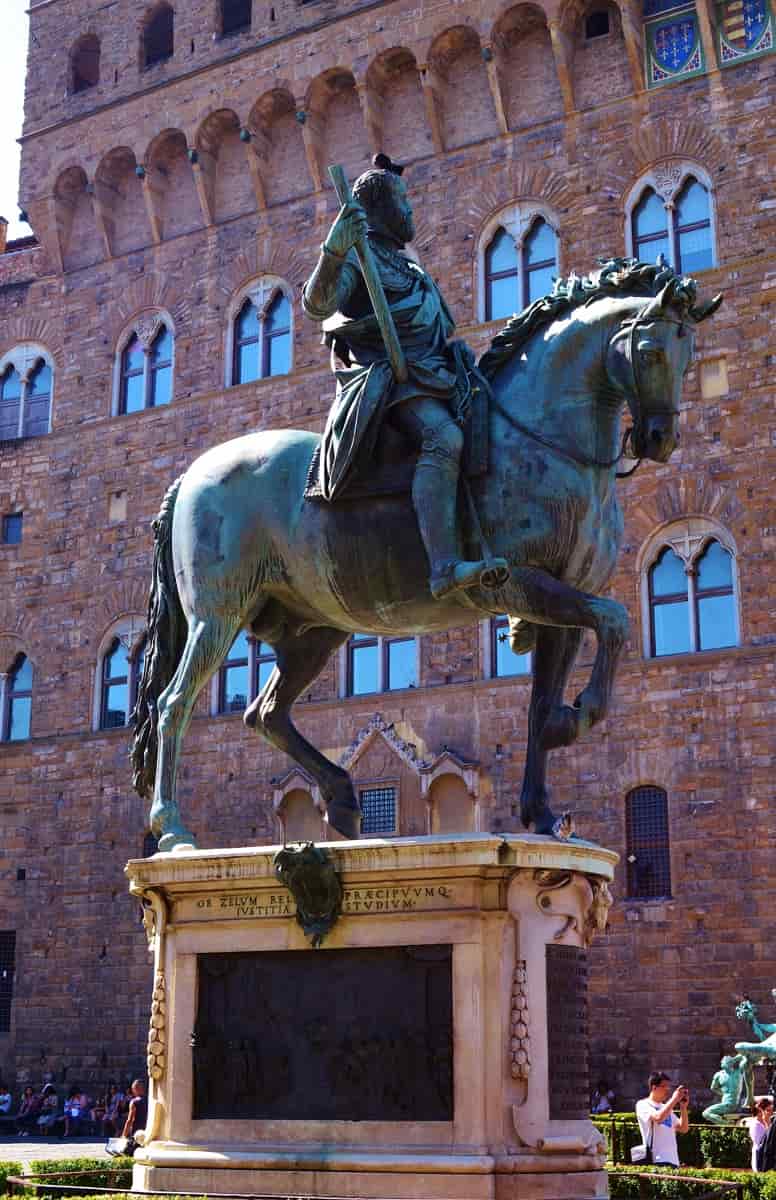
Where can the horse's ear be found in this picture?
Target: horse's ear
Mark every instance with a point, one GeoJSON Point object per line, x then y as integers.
{"type": "Point", "coordinates": [663, 301]}
{"type": "Point", "coordinates": [700, 312]}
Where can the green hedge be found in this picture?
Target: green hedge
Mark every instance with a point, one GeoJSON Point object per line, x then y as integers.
{"type": "Point", "coordinates": [624, 1183]}
{"type": "Point", "coordinates": [113, 1172]}
{"type": "Point", "coordinates": [6, 1169]}
{"type": "Point", "coordinates": [702, 1145]}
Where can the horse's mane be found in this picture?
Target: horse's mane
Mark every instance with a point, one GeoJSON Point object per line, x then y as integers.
{"type": "Point", "coordinates": [615, 277]}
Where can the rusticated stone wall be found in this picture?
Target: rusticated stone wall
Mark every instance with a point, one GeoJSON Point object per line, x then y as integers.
{"type": "Point", "coordinates": [547, 118]}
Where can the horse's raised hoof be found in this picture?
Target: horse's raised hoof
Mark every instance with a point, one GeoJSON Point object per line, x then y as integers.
{"type": "Point", "coordinates": [345, 819]}
{"type": "Point", "coordinates": [563, 827]}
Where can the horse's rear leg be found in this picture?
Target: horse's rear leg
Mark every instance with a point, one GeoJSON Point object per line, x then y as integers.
{"type": "Point", "coordinates": [299, 660]}
{"type": "Point", "coordinates": [540, 598]}
{"type": "Point", "coordinates": [206, 647]}
{"type": "Point", "coordinates": [550, 722]}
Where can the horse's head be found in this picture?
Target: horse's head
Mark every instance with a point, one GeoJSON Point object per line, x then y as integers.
{"type": "Point", "coordinates": [647, 358]}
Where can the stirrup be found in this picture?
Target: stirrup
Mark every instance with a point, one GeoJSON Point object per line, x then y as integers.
{"type": "Point", "coordinates": [461, 575]}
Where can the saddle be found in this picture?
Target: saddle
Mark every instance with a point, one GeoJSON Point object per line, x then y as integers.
{"type": "Point", "coordinates": [391, 469]}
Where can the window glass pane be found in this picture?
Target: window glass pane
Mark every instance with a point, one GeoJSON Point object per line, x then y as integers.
{"type": "Point", "coordinates": [506, 661]}
{"type": "Point", "coordinates": [714, 568]}
{"type": "Point", "coordinates": [116, 662]}
{"type": "Point", "coordinates": [716, 622]}
{"type": "Point", "coordinates": [133, 358]}
{"type": "Point", "coordinates": [668, 577]}
{"type": "Point", "coordinates": [36, 417]}
{"type": "Point", "coordinates": [502, 297]}
{"type": "Point", "coordinates": [247, 363]}
{"type": "Point", "coordinates": [247, 322]}
{"type": "Point", "coordinates": [161, 386]}
{"type": "Point", "coordinates": [116, 705]}
{"type": "Point", "coordinates": [12, 385]}
{"type": "Point", "coordinates": [236, 15]}
{"type": "Point", "coordinates": [363, 661]}
{"type": "Point", "coordinates": [235, 693]}
{"type": "Point", "coordinates": [21, 679]}
{"type": "Point", "coordinates": [501, 254]}
{"type": "Point", "coordinates": [649, 251]}
{"type": "Point", "coordinates": [10, 399]}
{"type": "Point", "coordinates": [672, 628]}
{"type": "Point", "coordinates": [540, 243]}
{"type": "Point", "coordinates": [264, 670]}
{"type": "Point", "coordinates": [161, 350]}
{"type": "Point", "coordinates": [279, 315]}
{"type": "Point", "coordinates": [19, 715]}
{"type": "Point", "coordinates": [13, 524]}
{"type": "Point", "coordinates": [279, 354]}
{"type": "Point", "coordinates": [695, 250]}
{"type": "Point", "coordinates": [378, 807]}
{"type": "Point", "coordinates": [239, 647]}
{"type": "Point", "coordinates": [692, 204]}
{"type": "Point", "coordinates": [649, 215]}
{"type": "Point", "coordinates": [540, 283]}
{"type": "Point", "coordinates": [402, 665]}
{"type": "Point", "coordinates": [133, 394]}
{"type": "Point", "coordinates": [40, 381]}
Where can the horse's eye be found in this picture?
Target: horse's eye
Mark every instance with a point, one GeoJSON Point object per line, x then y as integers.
{"type": "Point", "coordinates": [651, 353]}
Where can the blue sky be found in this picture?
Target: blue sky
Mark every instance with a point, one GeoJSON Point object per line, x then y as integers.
{"type": "Point", "coordinates": [13, 63]}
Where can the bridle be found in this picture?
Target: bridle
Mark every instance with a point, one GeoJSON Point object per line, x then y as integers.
{"type": "Point", "coordinates": [629, 330]}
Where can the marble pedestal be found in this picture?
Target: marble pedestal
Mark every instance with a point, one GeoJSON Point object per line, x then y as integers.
{"type": "Point", "coordinates": [517, 912]}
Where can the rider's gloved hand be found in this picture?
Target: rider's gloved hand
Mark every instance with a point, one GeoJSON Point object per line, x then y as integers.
{"type": "Point", "coordinates": [349, 226]}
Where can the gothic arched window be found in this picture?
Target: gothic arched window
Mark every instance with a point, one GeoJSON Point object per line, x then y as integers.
{"type": "Point", "coordinates": [121, 672]}
{"type": "Point", "coordinates": [145, 365]}
{"type": "Point", "coordinates": [519, 260]}
{"type": "Point", "coordinates": [690, 592]}
{"type": "Point", "coordinates": [671, 214]}
{"type": "Point", "coordinates": [26, 385]}
{"type": "Point", "coordinates": [262, 336]}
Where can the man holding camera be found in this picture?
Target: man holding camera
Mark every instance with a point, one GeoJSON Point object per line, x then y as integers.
{"type": "Point", "coordinates": [658, 1121]}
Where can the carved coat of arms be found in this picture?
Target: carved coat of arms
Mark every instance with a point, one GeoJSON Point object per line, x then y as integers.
{"type": "Point", "coordinates": [311, 877]}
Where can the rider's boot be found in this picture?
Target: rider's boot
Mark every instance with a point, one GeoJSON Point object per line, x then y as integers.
{"type": "Point", "coordinates": [434, 494]}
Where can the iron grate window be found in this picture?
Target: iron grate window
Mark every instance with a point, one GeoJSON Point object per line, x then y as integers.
{"type": "Point", "coordinates": [378, 810]}
{"type": "Point", "coordinates": [649, 861]}
{"type": "Point", "coordinates": [7, 966]}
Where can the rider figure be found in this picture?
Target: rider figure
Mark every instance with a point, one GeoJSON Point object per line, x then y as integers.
{"type": "Point", "coordinates": [432, 405]}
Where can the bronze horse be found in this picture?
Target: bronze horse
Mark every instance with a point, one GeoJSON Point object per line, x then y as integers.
{"type": "Point", "coordinates": [238, 545]}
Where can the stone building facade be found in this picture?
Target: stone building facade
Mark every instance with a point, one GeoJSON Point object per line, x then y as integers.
{"type": "Point", "coordinates": [173, 168]}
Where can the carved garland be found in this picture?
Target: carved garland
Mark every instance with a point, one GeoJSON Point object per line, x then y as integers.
{"type": "Point", "coordinates": [157, 1033]}
{"type": "Point", "coordinates": [519, 1037]}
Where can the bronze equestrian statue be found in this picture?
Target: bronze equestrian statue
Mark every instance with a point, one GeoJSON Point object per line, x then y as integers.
{"type": "Point", "coordinates": [269, 531]}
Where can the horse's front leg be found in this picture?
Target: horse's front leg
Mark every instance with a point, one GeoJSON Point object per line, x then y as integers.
{"type": "Point", "coordinates": [550, 723]}
{"type": "Point", "coordinates": [538, 597]}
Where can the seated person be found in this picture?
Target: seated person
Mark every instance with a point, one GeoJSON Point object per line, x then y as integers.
{"type": "Point", "coordinates": [602, 1099]}
{"type": "Point", "coordinates": [115, 1111]}
{"type": "Point", "coordinates": [29, 1111]}
{"type": "Point", "coordinates": [6, 1103]}
{"type": "Point", "coordinates": [76, 1112]}
{"type": "Point", "coordinates": [49, 1113]}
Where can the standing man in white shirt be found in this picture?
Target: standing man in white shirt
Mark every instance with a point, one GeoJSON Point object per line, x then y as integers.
{"type": "Point", "coordinates": [658, 1121]}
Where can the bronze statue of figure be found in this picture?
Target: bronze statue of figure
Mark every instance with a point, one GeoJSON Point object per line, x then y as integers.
{"type": "Point", "coordinates": [431, 404]}
{"type": "Point", "coordinates": [240, 544]}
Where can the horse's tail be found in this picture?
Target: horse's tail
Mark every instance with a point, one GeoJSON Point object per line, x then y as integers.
{"type": "Point", "coordinates": [167, 631]}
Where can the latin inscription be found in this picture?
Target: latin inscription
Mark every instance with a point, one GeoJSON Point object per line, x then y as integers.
{"type": "Point", "coordinates": [236, 905]}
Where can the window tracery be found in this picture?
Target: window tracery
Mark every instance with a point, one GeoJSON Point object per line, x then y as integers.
{"type": "Point", "coordinates": [26, 387]}
{"type": "Point", "coordinates": [670, 212]}
{"type": "Point", "coordinates": [260, 333]}
{"type": "Point", "coordinates": [518, 259]}
{"type": "Point", "coordinates": [145, 364]}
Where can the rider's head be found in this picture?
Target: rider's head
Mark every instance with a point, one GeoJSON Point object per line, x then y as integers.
{"type": "Point", "coordinates": [383, 195]}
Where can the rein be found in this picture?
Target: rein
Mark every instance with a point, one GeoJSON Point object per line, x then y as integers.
{"type": "Point", "coordinates": [628, 330]}
{"type": "Point", "coordinates": [583, 460]}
